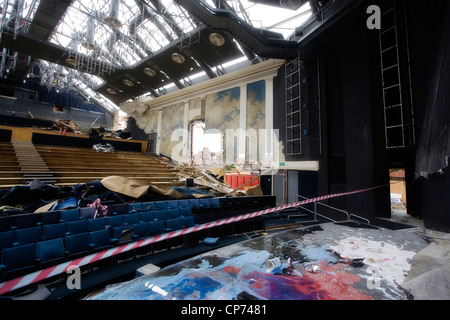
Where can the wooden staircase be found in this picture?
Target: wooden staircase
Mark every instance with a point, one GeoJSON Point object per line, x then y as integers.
{"type": "Point", "coordinates": [31, 163]}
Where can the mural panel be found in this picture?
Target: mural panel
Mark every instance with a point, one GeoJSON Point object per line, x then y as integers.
{"type": "Point", "coordinates": [171, 119]}
{"type": "Point", "coordinates": [222, 113]}
{"type": "Point", "coordinates": [256, 118]}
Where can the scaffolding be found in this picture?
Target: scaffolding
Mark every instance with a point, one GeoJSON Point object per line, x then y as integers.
{"type": "Point", "coordinates": [303, 111]}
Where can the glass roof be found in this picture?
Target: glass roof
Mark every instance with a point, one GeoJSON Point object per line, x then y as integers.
{"type": "Point", "coordinates": [277, 19]}
{"type": "Point", "coordinates": [120, 33]}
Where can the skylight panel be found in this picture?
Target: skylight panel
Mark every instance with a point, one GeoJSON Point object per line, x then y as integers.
{"type": "Point", "coordinates": [262, 16]}
{"type": "Point", "coordinates": [276, 19]}
{"type": "Point", "coordinates": [178, 14]}
{"type": "Point", "coordinates": [152, 35]}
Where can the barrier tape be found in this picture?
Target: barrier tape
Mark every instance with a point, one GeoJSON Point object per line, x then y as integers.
{"type": "Point", "coordinates": [40, 275]}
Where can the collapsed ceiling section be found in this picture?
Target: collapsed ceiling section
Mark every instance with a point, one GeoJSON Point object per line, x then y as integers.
{"type": "Point", "coordinates": [112, 51]}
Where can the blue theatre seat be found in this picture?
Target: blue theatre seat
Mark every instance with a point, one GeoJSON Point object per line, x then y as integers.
{"type": "Point", "coordinates": [160, 215]}
{"type": "Point", "coordinates": [50, 217]}
{"type": "Point", "coordinates": [160, 205]}
{"type": "Point", "coordinates": [50, 252]}
{"type": "Point", "coordinates": [148, 206]}
{"type": "Point", "coordinates": [156, 227]}
{"type": "Point", "coordinates": [6, 223]}
{"type": "Point", "coordinates": [185, 212]}
{"type": "Point", "coordinates": [96, 224]}
{"type": "Point", "coordinates": [187, 222]}
{"type": "Point", "coordinates": [70, 215]}
{"type": "Point", "coordinates": [53, 231]}
{"type": "Point", "coordinates": [204, 203]}
{"type": "Point", "coordinates": [76, 245]}
{"type": "Point", "coordinates": [131, 218]}
{"type": "Point", "coordinates": [6, 239]}
{"type": "Point", "coordinates": [141, 230]}
{"type": "Point", "coordinates": [146, 216]}
{"type": "Point", "coordinates": [173, 225]}
{"type": "Point", "coordinates": [135, 207]}
{"type": "Point", "coordinates": [27, 235]}
{"type": "Point", "coordinates": [17, 261]}
{"type": "Point", "coordinates": [194, 203]}
{"type": "Point", "coordinates": [22, 221]}
{"type": "Point", "coordinates": [215, 203]}
{"type": "Point", "coordinates": [173, 213]}
{"type": "Point", "coordinates": [99, 240]}
{"type": "Point", "coordinates": [172, 204]}
{"type": "Point", "coordinates": [74, 227]}
{"type": "Point", "coordinates": [114, 221]}
{"type": "Point", "coordinates": [183, 203]}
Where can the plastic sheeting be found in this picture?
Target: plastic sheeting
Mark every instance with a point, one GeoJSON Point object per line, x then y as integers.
{"type": "Point", "coordinates": [434, 146]}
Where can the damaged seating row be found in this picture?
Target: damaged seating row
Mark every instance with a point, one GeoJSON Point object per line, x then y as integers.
{"type": "Point", "coordinates": [34, 241]}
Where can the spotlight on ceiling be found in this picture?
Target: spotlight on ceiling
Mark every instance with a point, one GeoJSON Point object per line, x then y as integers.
{"type": "Point", "coordinates": [178, 58]}
{"type": "Point", "coordinates": [291, 4]}
{"type": "Point", "coordinates": [88, 45]}
{"type": "Point", "coordinates": [128, 83]}
{"type": "Point", "coordinates": [110, 90]}
{"type": "Point", "coordinates": [113, 22]}
{"type": "Point", "coordinates": [150, 72]}
{"type": "Point", "coordinates": [216, 39]}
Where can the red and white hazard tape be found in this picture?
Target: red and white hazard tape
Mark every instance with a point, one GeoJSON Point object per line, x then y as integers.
{"type": "Point", "coordinates": [40, 275]}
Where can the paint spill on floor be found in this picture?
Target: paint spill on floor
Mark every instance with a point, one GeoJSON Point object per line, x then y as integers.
{"type": "Point", "coordinates": [318, 263]}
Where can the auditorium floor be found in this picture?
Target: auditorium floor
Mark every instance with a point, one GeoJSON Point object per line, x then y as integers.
{"type": "Point", "coordinates": [345, 261]}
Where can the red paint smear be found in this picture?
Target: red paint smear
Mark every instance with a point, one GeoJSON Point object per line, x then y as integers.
{"type": "Point", "coordinates": [231, 269]}
{"type": "Point", "coordinates": [332, 283]}
{"type": "Point", "coordinates": [337, 283]}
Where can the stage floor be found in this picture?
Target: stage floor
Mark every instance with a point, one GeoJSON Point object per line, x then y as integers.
{"type": "Point", "coordinates": [323, 262]}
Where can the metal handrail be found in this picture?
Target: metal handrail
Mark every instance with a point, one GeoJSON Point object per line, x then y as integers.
{"type": "Point", "coordinates": [362, 218]}
{"type": "Point", "coordinates": [349, 216]}
{"type": "Point", "coordinates": [339, 210]}
{"type": "Point", "coordinates": [321, 215]}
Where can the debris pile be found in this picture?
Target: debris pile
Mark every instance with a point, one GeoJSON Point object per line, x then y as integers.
{"type": "Point", "coordinates": [67, 125]}
{"type": "Point", "coordinates": [204, 178]}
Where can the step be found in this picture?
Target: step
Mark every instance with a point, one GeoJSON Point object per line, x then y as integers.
{"type": "Point", "coordinates": [31, 163]}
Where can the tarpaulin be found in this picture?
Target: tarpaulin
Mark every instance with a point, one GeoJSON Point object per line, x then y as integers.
{"type": "Point", "coordinates": [137, 188]}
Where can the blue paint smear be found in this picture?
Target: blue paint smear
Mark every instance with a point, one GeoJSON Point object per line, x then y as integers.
{"type": "Point", "coordinates": [194, 288]}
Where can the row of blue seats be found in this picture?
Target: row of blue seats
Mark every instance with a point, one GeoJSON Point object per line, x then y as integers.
{"type": "Point", "coordinates": [227, 206]}
{"type": "Point", "coordinates": [202, 203]}
{"type": "Point", "coordinates": [52, 217]}
{"type": "Point", "coordinates": [33, 219]}
{"type": "Point", "coordinates": [78, 225]}
{"type": "Point", "coordinates": [40, 254]}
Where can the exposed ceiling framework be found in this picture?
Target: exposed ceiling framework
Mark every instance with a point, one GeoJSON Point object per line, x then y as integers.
{"type": "Point", "coordinates": [112, 51]}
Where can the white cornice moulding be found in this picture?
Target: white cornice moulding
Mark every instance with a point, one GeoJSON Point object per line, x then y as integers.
{"type": "Point", "coordinates": [261, 71]}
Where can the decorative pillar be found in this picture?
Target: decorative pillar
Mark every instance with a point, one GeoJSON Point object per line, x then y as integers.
{"type": "Point", "coordinates": [158, 132]}
{"type": "Point", "coordinates": [269, 152]}
{"type": "Point", "coordinates": [186, 151]}
{"type": "Point", "coordinates": [242, 124]}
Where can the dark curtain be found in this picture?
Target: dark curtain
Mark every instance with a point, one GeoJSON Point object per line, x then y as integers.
{"type": "Point", "coordinates": [434, 144]}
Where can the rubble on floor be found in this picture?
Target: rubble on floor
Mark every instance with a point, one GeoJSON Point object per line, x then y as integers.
{"type": "Point", "coordinates": [205, 179]}
{"type": "Point", "coordinates": [429, 277]}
